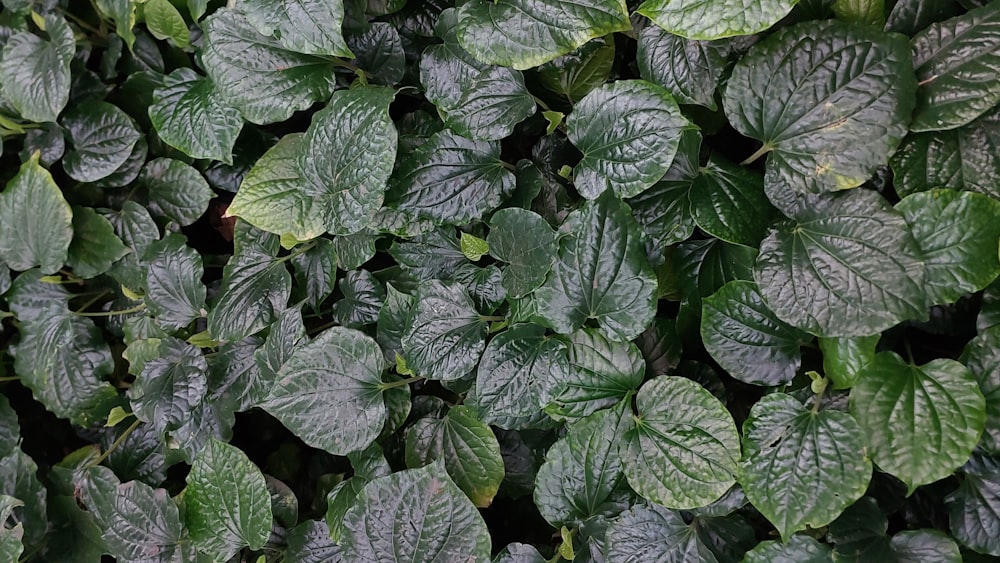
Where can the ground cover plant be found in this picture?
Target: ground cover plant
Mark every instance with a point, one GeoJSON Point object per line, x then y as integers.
{"type": "Point", "coordinates": [515, 281]}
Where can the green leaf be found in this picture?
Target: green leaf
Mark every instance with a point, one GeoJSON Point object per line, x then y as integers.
{"type": "Point", "coordinates": [865, 12]}
{"type": "Point", "coordinates": [911, 16]}
{"type": "Point", "coordinates": [362, 300]}
{"type": "Point", "coordinates": [647, 532]}
{"type": "Point", "coordinates": [101, 137]}
{"type": "Point", "coordinates": [583, 469]}
{"type": "Point", "coordinates": [664, 210]}
{"type": "Point", "coordinates": [379, 50]}
{"type": "Point", "coordinates": [18, 479]}
{"type": "Point", "coordinates": [982, 356]}
{"type": "Point", "coordinates": [393, 319]}
{"type": "Point", "coordinates": [227, 506]}
{"type": "Point", "coordinates": [328, 392]}
{"type": "Point", "coordinates": [526, 242]}
{"type": "Point", "coordinates": [135, 227]}
{"type": "Point", "coordinates": [846, 266]}
{"type": "Point", "coordinates": [138, 522]}
{"type": "Point", "coordinates": [728, 202]}
{"type": "Point", "coordinates": [519, 553]}
{"type": "Point", "coordinates": [921, 421]}
{"type": "Point", "coordinates": [35, 221]}
{"type": "Point", "coordinates": [689, 70]}
{"type": "Point", "coordinates": [466, 445]}
{"type": "Point", "coordinates": [310, 542]}
{"type": "Point", "coordinates": [602, 273]}
{"type": "Point", "coordinates": [303, 26]}
{"type": "Point", "coordinates": [473, 247]}
{"type": "Point", "coordinates": [165, 22]}
{"type": "Point", "coordinates": [827, 125]}
{"type": "Point", "coordinates": [175, 295]}
{"type": "Point", "coordinates": [798, 549]}
{"type": "Point", "coordinates": [523, 34]}
{"type": "Point", "coordinates": [34, 72]}
{"type": "Point", "coordinates": [94, 247]}
{"type": "Point", "coordinates": [601, 373]}
{"type": "Point", "coordinates": [175, 190]}
{"type": "Point", "coordinates": [628, 132]}
{"type": "Point", "coordinates": [972, 513]}
{"type": "Point", "coordinates": [843, 358]}
{"type": "Point", "coordinates": [517, 368]}
{"type": "Point", "coordinates": [446, 336]}
{"type": "Point", "coordinates": [256, 75]}
{"type": "Point", "coordinates": [801, 467]}
{"type": "Point", "coordinates": [573, 75]}
{"type": "Point", "coordinates": [316, 271]}
{"type": "Point", "coordinates": [450, 179]}
{"type": "Point", "coordinates": [435, 255]}
{"type": "Point", "coordinates": [170, 386]}
{"type": "Point", "coordinates": [699, 19]}
{"type": "Point", "coordinates": [684, 449]}
{"type": "Point", "coordinates": [747, 339]}
{"type": "Point", "coordinates": [955, 61]}
{"type": "Point", "coordinates": [190, 114]}
{"type": "Point", "coordinates": [10, 537]}
{"type": "Point", "coordinates": [444, 524]}
{"type": "Point", "coordinates": [959, 236]}
{"type": "Point", "coordinates": [251, 273]}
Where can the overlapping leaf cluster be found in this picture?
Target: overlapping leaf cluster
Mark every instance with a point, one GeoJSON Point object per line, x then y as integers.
{"type": "Point", "coordinates": [302, 280]}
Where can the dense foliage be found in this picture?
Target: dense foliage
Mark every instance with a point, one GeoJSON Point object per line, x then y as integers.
{"type": "Point", "coordinates": [401, 280]}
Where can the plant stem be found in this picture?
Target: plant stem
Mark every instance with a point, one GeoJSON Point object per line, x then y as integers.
{"type": "Point", "coordinates": [92, 300]}
{"type": "Point", "coordinates": [764, 149]}
{"type": "Point", "coordinates": [114, 445]}
{"type": "Point", "coordinates": [11, 378]}
{"type": "Point", "coordinates": [135, 309]}
{"type": "Point", "coordinates": [491, 318]}
{"type": "Point", "coordinates": [401, 382]}
{"type": "Point", "coordinates": [817, 400]}
{"type": "Point", "coordinates": [298, 251]}
{"type": "Point", "coordinates": [542, 103]}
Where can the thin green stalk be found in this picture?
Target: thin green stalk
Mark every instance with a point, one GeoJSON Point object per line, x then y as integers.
{"type": "Point", "coordinates": [114, 445]}
{"type": "Point", "coordinates": [764, 149]}
{"type": "Point", "coordinates": [135, 309]}
{"type": "Point", "coordinates": [401, 382]}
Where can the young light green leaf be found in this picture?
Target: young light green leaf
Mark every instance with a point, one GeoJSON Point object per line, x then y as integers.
{"type": "Point", "coordinates": [982, 357]}
{"type": "Point", "coordinates": [747, 339]}
{"type": "Point", "coordinates": [175, 294]}
{"type": "Point", "coordinates": [446, 336]}
{"type": "Point", "coordinates": [101, 137]}
{"type": "Point", "coordinates": [846, 266]}
{"type": "Point", "coordinates": [921, 422]}
{"type": "Point", "coordinates": [801, 467]}
{"type": "Point", "coordinates": [955, 61]}
{"type": "Point", "coordinates": [175, 190]}
{"type": "Point", "coordinates": [466, 445]}
{"type": "Point", "coordinates": [602, 273]}
{"type": "Point", "coordinates": [583, 469]}
{"type": "Point", "coordinates": [959, 236]}
{"type": "Point", "coordinates": [826, 128]}
{"type": "Point", "coordinates": [227, 506]}
{"type": "Point", "coordinates": [728, 202]}
{"type": "Point", "coordinates": [304, 26]}
{"type": "Point", "coordinates": [190, 114]}
{"type": "Point", "coordinates": [527, 243]}
{"type": "Point", "coordinates": [256, 75]}
{"type": "Point", "coordinates": [35, 221]}
{"type": "Point", "coordinates": [34, 72]}
{"type": "Point", "coordinates": [628, 132]}
{"type": "Point", "coordinates": [94, 247]}
{"type": "Point", "coordinates": [445, 525]}
{"type": "Point", "coordinates": [843, 358]}
{"type": "Point", "coordinates": [601, 373]}
{"type": "Point", "coordinates": [689, 70]}
{"type": "Point", "coordinates": [700, 19]}
{"type": "Point", "coordinates": [684, 449]}
{"type": "Point", "coordinates": [164, 22]}
{"type": "Point", "coordinates": [473, 247]}
{"type": "Point", "coordinates": [329, 392]}
{"type": "Point", "coordinates": [523, 33]}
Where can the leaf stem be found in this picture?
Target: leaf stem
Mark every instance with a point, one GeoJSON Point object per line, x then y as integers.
{"type": "Point", "coordinates": [114, 445]}
{"type": "Point", "coordinates": [401, 382]}
{"type": "Point", "coordinates": [541, 103]}
{"type": "Point", "coordinates": [135, 309]}
{"type": "Point", "coordinates": [764, 149]}
{"type": "Point", "coordinates": [818, 399]}
{"type": "Point", "coordinates": [491, 318]}
{"type": "Point", "coordinates": [11, 378]}
{"type": "Point", "coordinates": [298, 251]}
{"type": "Point", "coordinates": [92, 300]}
{"type": "Point", "coordinates": [352, 67]}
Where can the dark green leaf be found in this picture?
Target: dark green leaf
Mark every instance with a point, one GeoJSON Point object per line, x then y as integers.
{"type": "Point", "coordinates": [379, 51]}
{"type": "Point", "coordinates": [101, 137]}
{"type": "Point", "coordinates": [18, 479]}
{"type": "Point", "coordinates": [310, 542]}
{"type": "Point", "coordinates": [35, 221]}
{"type": "Point", "coordinates": [393, 320]}
{"type": "Point", "coordinates": [525, 241]}
{"type": "Point", "coordinates": [601, 373]}
{"type": "Point", "coordinates": [316, 271]}
{"type": "Point", "coordinates": [798, 549]}
{"type": "Point", "coordinates": [170, 385]}
{"type": "Point", "coordinates": [303, 26]}
{"type": "Point", "coordinates": [190, 115]}
{"type": "Point", "coordinates": [175, 190]}
{"type": "Point", "coordinates": [654, 533]}
{"type": "Point", "coordinates": [574, 75]}
{"type": "Point", "coordinates": [34, 72]}
{"type": "Point", "coordinates": [972, 509]}
{"type": "Point", "coordinates": [175, 294]}
{"type": "Point", "coordinates": [446, 336]}
{"type": "Point", "coordinates": [689, 70]}
{"type": "Point", "coordinates": [94, 247]}
{"type": "Point", "coordinates": [362, 300]}
{"type": "Point", "coordinates": [982, 356]}
{"type": "Point", "coordinates": [728, 202]}
{"type": "Point", "coordinates": [698, 19]}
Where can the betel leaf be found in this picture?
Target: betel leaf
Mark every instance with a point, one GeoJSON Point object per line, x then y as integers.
{"type": "Point", "coordinates": [175, 295]}
{"type": "Point", "coordinates": [379, 50]}
{"type": "Point", "coordinates": [982, 356]}
{"type": "Point", "coordinates": [699, 19]}
{"type": "Point", "coordinates": [728, 202]}
{"type": "Point", "coordinates": [101, 137]}
{"type": "Point", "coordinates": [684, 448]}
{"type": "Point", "coordinates": [583, 469]}
{"type": "Point", "coordinates": [175, 190]}
{"type": "Point", "coordinates": [190, 115]}
{"type": "Point", "coordinates": [303, 26]}
{"type": "Point", "coordinates": [171, 384]}
{"type": "Point", "coordinates": [664, 210]}
{"type": "Point", "coordinates": [523, 33]}
{"type": "Point", "coordinates": [466, 445]}
{"type": "Point", "coordinates": [475, 99]}
{"type": "Point", "coordinates": [573, 75]}
{"type": "Point", "coordinates": [689, 70]}
{"type": "Point", "coordinates": [10, 536]}
{"type": "Point", "coordinates": [446, 335]}
{"type": "Point", "coordinates": [310, 542]}
{"type": "Point", "coordinates": [648, 532]}
{"type": "Point", "coordinates": [802, 467]}
{"type": "Point", "coordinates": [35, 72]}
{"type": "Point", "coordinates": [921, 422]}
{"type": "Point", "coordinates": [516, 369]}
{"type": "Point", "coordinates": [526, 242]}
{"type": "Point", "coordinates": [18, 479]}
{"type": "Point", "coordinates": [36, 226]}
{"type": "Point", "coordinates": [963, 159]}
{"type": "Point", "coordinates": [602, 273]}
{"type": "Point", "coordinates": [362, 299]}
{"type": "Point", "coordinates": [843, 358]}
{"type": "Point", "coordinates": [226, 503]}
{"type": "Point", "coordinates": [601, 373]}
{"type": "Point", "coordinates": [845, 266]}
{"type": "Point", "coordinates": [441, 524]}
{"type": "Point", "coordinates": [798, 549]}
{"type": "Point", "coordinates": [747, 339]}
{"type": "Point", "coordinates": [830, 102]}
{"type": "Point", "coordinates": [959, 236]}
{"type": "Point", "coordinates": [329, 392]}
{"type": "Point", "coordinates": [164, 22]}
{"type": "Point", "coordinates": [955, 61]}
{"type": "Point", "coordinates": [628, 132]}
{"type": "Point", "coordinates": [450, 179]}
{"type": "Point", "coordinates": [972, 512]}
{"type": "Point", "coordinates": [256, 75]}
{"type": "Point", "coordinates": [94, 247]}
